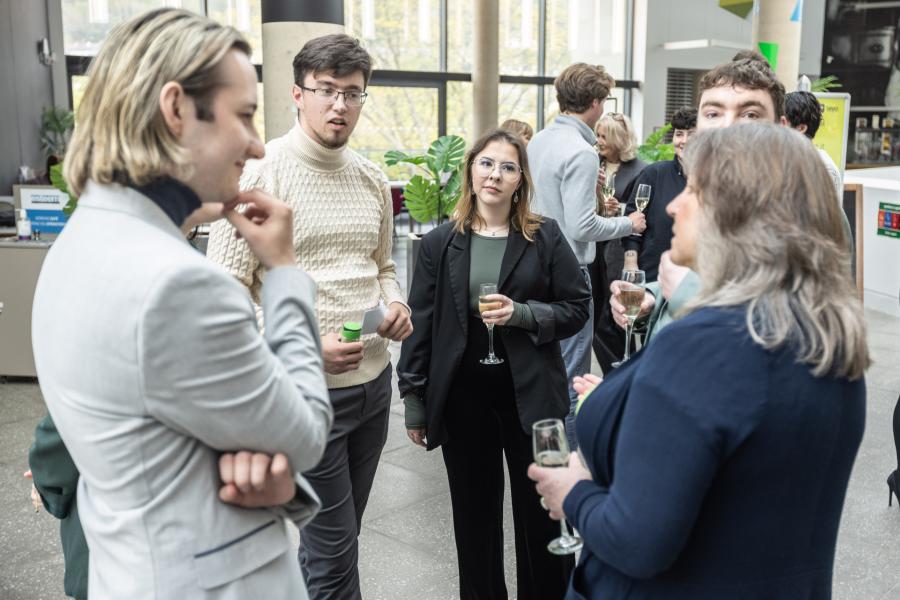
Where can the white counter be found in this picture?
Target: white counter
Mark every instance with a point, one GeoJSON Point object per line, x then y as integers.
{"type": "Point", "coordinates": [881, 255]}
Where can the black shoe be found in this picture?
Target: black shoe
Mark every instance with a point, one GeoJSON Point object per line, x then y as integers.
{"type": "Point", "coordinates": [893, 488]}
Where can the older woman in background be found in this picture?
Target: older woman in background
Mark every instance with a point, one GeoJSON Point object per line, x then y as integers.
{"type": "Point", "coordinates": [619, 165]}
{"type": "Point", "coordinates": [717, 459]}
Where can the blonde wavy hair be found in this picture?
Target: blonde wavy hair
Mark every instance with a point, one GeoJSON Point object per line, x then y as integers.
{"type": "Point", "coordinates": [619, 133]}
{"type": "Point", "coordinates": [770, 237]}
{"type": "Point", "coordinates": [520, 216]}
{"type": "Point", "coordinates": [120, 135]}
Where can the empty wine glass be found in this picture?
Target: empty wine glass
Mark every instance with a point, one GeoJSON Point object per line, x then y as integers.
{"type": "Point", "coordinates": [552, 450]}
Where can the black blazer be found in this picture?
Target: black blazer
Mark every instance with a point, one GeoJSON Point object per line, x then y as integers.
{"type": "Point", "coordinates": [543, 273]}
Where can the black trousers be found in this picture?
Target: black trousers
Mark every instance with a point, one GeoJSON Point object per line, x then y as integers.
{"type": "Point", "coordinates": [609, 338]}
{"type": "Point", "coordinates": [482, 425]}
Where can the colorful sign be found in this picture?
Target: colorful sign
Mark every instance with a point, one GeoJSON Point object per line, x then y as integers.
{"type": "Point", "coordinates": [889, 219]}
{"type": "Point", "coordinates": [832, 133]}
{"type": "Point", "coordinates": [43, 205]}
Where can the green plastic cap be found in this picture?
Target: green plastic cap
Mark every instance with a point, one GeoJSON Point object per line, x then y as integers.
{"type": "Point", "coordinates": [351, 331]}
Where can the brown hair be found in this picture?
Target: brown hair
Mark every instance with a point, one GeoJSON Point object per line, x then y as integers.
{"type": "Point", "coordinates": [776, 244]}
{"type": "Point", "coordinates": [748, 73]}
{"type": "Point", "coordinates": [520, 216]}
{"type": "Point", "coordinates": [120, 135]}
{"type": "Point", "coordinates": [580, 84]}
{"type": "Point", "coordinates": [518, 127]}
{"type": "Point", "coordinates": [337, 53]}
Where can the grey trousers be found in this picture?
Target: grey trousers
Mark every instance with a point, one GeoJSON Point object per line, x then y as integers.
{"type": "Point", "coordinates": [329, 551]}
{"type": "Point", "coordinates": [576, 355]}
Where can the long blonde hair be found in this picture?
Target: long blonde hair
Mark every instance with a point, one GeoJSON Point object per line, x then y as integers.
{"type": "Point", "coordinates": [770, 237]}
{"type": "Point", "coordinates": [619, 133]}
{"type": "Point", "coordinates": [120, 135]}
{"type": "Point", "coordinates": [520, 215]}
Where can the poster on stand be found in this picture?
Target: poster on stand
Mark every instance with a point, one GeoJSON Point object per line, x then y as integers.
{"type": "Point", "coordinates": [833, 132]}
{"type": "Point", "coordinates": [43, 205]}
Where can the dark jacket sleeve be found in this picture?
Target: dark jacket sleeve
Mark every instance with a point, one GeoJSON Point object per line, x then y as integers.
{"type": "Point", "coordinates": [415, 353]}
{"type": "Point", "coordinates": [54, 472]}
{"type": "Point", "coordinates": [567, 313]}
{"type": "Point", "coordinates": [680, 424]}
{"type": "Point", "coordinates": [636, 242]}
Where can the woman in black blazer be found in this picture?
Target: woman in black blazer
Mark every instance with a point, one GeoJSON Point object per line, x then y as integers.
{"type": "Point", "coordinates": [476, 412]}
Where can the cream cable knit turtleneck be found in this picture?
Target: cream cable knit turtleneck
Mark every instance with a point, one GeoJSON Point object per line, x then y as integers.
{"type": "Point", "coordinates": [343, 233]}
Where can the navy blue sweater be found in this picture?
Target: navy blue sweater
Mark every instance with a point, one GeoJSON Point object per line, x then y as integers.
{"type": "Point", "coordinates": [720, 469]}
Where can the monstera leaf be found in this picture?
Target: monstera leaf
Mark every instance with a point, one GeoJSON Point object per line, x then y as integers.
{"type": "Point", "coordinates": [432, 195]}
{"type": "Point", "coordinates": [422, 198]}
{"type": "Point", "coordinates": [446, 154]}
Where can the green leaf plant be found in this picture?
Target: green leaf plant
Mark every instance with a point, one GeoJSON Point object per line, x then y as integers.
{"type": "Point", "coordinates": [432, 194]}
{"type": "Point", "coordinates": [653, 149]}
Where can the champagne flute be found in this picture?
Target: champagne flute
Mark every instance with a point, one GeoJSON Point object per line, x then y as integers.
{"type": "Point", "coordinates": [631, 295]}
{"type": "Point", "coordinates": [609, 191]}
{"type": "Point", "coordinates": [552, 450]}
{"type": "Point", "coordinates": [484, 305]}
{"type": "Point", "coordinates": [642, 198]}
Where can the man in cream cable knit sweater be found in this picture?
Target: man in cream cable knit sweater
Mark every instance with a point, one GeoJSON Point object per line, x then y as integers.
{"type": "Point", "coordinates": [343, 232]}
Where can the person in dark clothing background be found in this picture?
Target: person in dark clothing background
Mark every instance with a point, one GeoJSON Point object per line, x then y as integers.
{"type": "Point", "coordinates": [617, 146]}
{"type": "Point", "coordinates": [666, 180]}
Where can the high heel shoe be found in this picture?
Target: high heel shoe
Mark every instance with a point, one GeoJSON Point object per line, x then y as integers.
{"type": "Point", "coordinates": [893, 488]}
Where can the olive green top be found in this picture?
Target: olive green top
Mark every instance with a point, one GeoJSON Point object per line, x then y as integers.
{"type": "Point", "coordinates": [484, 267]}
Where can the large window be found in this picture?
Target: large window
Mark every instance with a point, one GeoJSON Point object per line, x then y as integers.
{"type": "Point", "coordinates": [422, 52]}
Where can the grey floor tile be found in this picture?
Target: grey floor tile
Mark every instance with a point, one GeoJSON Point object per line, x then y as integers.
{"type": "Point", "coordinates": [395, 489]}
{"type": "Point", "coordinates": [393, 570]}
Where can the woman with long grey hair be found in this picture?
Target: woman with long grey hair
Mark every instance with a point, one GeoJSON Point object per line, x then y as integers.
{"type": "Point", "coordinates": [717, 459]}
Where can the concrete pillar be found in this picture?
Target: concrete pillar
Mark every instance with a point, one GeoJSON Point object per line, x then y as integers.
{"type": "Point", "coordinates": [286, 26]}
{"type": "Point", "coordinates": [485, 66]}
{"type": "Point", "coordinates": [776, 33]}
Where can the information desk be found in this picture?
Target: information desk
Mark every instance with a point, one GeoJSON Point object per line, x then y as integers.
{"type": "Point", "coordinates": [880, 246]}
{"type": "Point", "coordinates": [20, 264]}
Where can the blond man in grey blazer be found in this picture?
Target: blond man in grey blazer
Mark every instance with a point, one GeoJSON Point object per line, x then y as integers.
{"type": "Point", "coordinates": [188, 427]}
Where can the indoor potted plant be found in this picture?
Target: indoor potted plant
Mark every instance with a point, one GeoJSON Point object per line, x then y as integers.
{"type": "Point", "coordinates": [431, 195]}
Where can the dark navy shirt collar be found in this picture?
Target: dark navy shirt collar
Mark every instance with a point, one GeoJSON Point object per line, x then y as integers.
{"type": "Point", "coordinates": [175, 199]}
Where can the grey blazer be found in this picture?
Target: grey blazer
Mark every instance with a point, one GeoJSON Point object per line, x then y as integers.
{"type": "Point", "coordinates": [151, 364]}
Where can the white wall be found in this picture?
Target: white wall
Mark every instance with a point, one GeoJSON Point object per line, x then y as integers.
{"type": "Point", "coordinates": [661, 21]}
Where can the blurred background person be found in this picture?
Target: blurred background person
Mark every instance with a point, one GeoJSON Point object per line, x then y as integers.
{"type": "Point", "coordinates": [565, 167]}
{"type": "Point", "coordinates": [666, 179]}
{"type": "Point", "coordinates": [478, 412]}
{"type": "Point", "coordinates": [519, 127]}
{"type": "Point", "coordinates": [735, 431]}
{"type": "Point", "coordinates": [617, 146]}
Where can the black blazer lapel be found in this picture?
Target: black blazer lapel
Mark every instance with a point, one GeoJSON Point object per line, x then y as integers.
{"type": "Point", "coordinates": [458, 257]}
{"type": "Point", "coordinates": [515, 248]}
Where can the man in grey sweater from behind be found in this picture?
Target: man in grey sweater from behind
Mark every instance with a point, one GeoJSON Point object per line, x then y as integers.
{"type": "Point", "coordinates": [564, 166]}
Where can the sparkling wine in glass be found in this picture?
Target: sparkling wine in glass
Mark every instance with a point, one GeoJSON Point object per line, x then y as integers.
{"type": "Point", "coordinates": [642, 197]}
{"type": "Point", "coordinates": [552, 450]}
{"type": "Point", "coordinates": [631, 295]}
{"type": "Point", "coordinates": [484, 305]}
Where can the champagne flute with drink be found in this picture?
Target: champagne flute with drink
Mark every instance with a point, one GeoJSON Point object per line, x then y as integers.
{"type": "Point", "coordinates": [551, 449]}
{"type": "Point", "coordinates": [485, 305]}
{"type": "Point", "coordinates": [631, 296]}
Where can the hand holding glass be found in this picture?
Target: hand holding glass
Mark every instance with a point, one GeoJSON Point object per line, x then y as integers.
{"type": "Point", "coordinates": [484, 305]}
{"type": "Point", "coordinates": [552, 450]}
{"type": "Point", "coordinates": [631, 296]}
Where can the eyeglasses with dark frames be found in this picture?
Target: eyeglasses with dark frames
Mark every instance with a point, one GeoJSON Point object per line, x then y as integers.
{"type": "Point", "coordinates": [351, 98]}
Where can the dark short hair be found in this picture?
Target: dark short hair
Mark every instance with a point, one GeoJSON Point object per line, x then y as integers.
{"type": "Point", "coordinates": [684, 118]}
{"type": "Point", "coordinates": [337, 53]}
{"type": "Point", "coordinates": [580, 84]}
{"type": "Point", "coordinates": [748, 73]}
{"type": "Point", "coordinates": [750, 54]}
{"type": "Point", "coordinates": [803, 108]}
